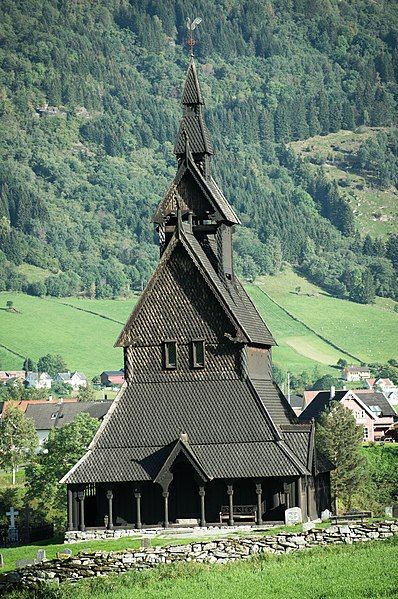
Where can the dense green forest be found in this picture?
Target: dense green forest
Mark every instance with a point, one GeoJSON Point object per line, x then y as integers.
{"type": "Point", "coordinates": [89, 109]}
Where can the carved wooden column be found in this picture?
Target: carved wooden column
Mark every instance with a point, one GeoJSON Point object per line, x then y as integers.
{"type": "Point", "coordinates": [259, 492]}
{"type": "Point", "coordinates": [202, 494]}
{"type": "Point", "coordinates": [230, 493]}
{"type": "Point", "coordinates": [299, 495]}
{"type": "Point", "coordinates": [109, 496]}
{"type": "Point", "coordinates": [137, 495]}
{"type": "Point", "coordinates": [70, 509]}
{"type": "Point", "coordinates": [75, 511]}
{"type": "Point", "coordinates": [166, 508]}
{"type": "Point", "coordinates": [80, 496]}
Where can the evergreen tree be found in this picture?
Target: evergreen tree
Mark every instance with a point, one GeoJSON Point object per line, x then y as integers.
{"type": "Point", "coordinates": [339, 438]}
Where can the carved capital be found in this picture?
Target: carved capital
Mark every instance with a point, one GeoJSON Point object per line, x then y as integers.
{"type": "Point", "coordinates": [165, 494]}
{"type": "Point", "coordinates": [80, 495]}
{"type": "Point", "coordinates": [259, 489]}
{"type": "Point", "coordinates": [230, 490]}
{"type": "Point", "coordinates": [109, 494]}
{"type": "Point", "coordinates": [202, 491]}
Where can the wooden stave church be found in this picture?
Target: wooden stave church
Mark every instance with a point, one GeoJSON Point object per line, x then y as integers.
{"type": "Point", "coordinates": [199, 430]}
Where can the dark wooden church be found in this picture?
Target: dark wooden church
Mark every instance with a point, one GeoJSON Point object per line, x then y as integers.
{"type": "Point", "coordinates": [199, 432]}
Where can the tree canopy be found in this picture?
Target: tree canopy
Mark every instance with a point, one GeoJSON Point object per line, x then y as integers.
{"type": "Point", "coordinates": [89, 111]}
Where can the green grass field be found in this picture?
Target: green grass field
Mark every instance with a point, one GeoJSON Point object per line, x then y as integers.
{"type": "Point", "coordinates": [340, 572]}
{"type": "Point", "coordinates": [367, 331]}
{"type": "Point", "coordinates": [375, 209]}
{"type": "Point", "coordinates": [83, 331]}
{"type": "Point", "coordinates": [44, 326]}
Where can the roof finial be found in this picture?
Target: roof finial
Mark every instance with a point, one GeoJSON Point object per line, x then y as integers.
{"type": "Point", "coordinates": [191, 25]}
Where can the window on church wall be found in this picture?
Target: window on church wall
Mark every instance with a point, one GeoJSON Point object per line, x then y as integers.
{"type": "Point", "coordinates": [170, 355]}
{"type": "Point", "coordinates": [198, 353]}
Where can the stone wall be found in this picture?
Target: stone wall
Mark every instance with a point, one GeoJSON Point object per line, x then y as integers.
{"type": "Point", "coordinates": [102, 563]}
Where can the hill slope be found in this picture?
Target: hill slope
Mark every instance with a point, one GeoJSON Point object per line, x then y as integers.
{"type": "Point", "coordinates": [83, 331]}
{"type": "Point", "coordinates": [373, 196]}
{"type": "Point", "coordinates": [89, 112]}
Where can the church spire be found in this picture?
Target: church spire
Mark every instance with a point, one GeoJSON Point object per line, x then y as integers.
{"type": "Point", "coordinates": [193, 126]}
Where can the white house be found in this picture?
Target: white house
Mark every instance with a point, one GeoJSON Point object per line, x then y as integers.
{"type": "Point", "coordinates": [74, 379]}
{"type": "Point", "coordinates": [38, 380]}
{"type": "Point", "coordinates": [356, 373]}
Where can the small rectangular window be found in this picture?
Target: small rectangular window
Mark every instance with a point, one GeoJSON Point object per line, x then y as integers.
{"type": "Point", "coordinates": [198, 353]}
{"type": "Point", "coordinates": [170, 355]}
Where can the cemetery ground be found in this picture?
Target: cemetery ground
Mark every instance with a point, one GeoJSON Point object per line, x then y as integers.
{"type": "Point", "coordinates": [52, 325]}
{"type": "Point", "coordinates": [337, 572]}
{"type": "Point", "coordinates": [53, 546]}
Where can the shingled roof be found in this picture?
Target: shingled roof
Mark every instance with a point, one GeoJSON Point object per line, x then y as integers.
{"type": "Point", "coordinates": [192, 93]}
{"type": "Point", "coordinates": [146, 418]}
{"type": "Point", "coordinates": [231, 294]}
{"type": "Point", "coordinates": [193, 125]}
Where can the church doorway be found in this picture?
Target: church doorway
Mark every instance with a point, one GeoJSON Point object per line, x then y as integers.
{"type": "Point", "coordinates": [184, 499]}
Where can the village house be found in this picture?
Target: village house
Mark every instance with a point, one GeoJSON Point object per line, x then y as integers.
{"type": "Point", "coordinates": [355, 373]}
{"type": "Point", "coordinates": [11, 377]}
{"type": "Point", "coordinates": [38, 380]}
{"type": "Point", "coordinates": [199, 431]}
{"type": "Point", "coordinates": [48, 415]}
{"type": "Point", "coordinates": [112, 378]}
{"type": "Point", "coordinates": [386, 386]}
{"type": "Point", "coordinates": [370, 408]}
{"type": "Point", "coordinates": [76, 380]}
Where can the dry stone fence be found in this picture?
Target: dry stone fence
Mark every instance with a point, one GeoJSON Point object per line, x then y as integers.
{"type": "Point", "coordinates": [102, 563]}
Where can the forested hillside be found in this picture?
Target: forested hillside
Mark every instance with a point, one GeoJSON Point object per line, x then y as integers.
{"type": "Point", "coordinates": [89, 108]}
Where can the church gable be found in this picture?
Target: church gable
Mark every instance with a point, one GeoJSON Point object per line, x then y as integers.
{"type": "Point", "coordinates": [194, 197]}
{"type": "Point", "coordinates": [178, 305]}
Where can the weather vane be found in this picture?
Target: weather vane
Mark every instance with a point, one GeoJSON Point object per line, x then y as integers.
{"type": "Point", "coordinates": [191, 25]}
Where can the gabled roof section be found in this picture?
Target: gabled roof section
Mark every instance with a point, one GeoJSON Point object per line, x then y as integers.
{"type": "Point", "coordinates": [194, 127]}
{"type": "Point", "coordinates": [215, 285]}
{"type": "Point", "coordinates": [211, 192]}
{"type": "Point", "coordinates": [320, 402]}
{"type": "Point", "coordinates": [183, 448]}
{"type": "Point", "coordinates": [234, 297]}
{"type": "Point", "coordinates": [192, 93]}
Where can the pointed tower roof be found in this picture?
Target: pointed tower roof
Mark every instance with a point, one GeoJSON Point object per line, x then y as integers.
{"type": "Point", "coordinates": [192, 93]}
{"type": "Point", "coordinates": [193, 127]}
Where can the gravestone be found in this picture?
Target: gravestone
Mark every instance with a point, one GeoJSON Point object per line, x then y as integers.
{"type": "Point", "coordinates": [293, 516]}
{"type": "Point", "coordinates": [145, 542]}
{"type": "Point", "coordinates": [64, 553]}
{"type": "Point", "coordinates": [307, 526]}
{"type": "Point", "coordinates": [389, 511]}
{"type": "Point", "coordinates": [41, 554]}
{"type": "Point", "coordinates": [1, 561]}
{"type": "Point", "coordinates": [22, 563]}
{"type": "Point", "coordinates": [13, 535]}
{"type": "Point", "coordinates": [325, 515]}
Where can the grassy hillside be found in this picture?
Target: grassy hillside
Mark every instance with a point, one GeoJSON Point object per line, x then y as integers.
{"type": "Point", "coordinates": [375, 208]}
{"type": "Point", "coordinates": [298, 348]}
{"type": "Point", "coordinates": [369, 332]}
{"type": "Point", "coordinates": [44, 326]}
{"type": "Point", "coordinates": [84, 331]}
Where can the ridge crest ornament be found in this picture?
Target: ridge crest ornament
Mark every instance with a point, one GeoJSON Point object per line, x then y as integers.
{"type": "Point", "coordinates": [191, 26]}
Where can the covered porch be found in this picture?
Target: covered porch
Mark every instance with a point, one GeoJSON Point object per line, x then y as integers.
{"type": "Point", "coordinates": [188, 500]}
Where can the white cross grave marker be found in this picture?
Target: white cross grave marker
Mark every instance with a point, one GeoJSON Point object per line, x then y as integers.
{"type": "Point", "coordinates": [12, 513]}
